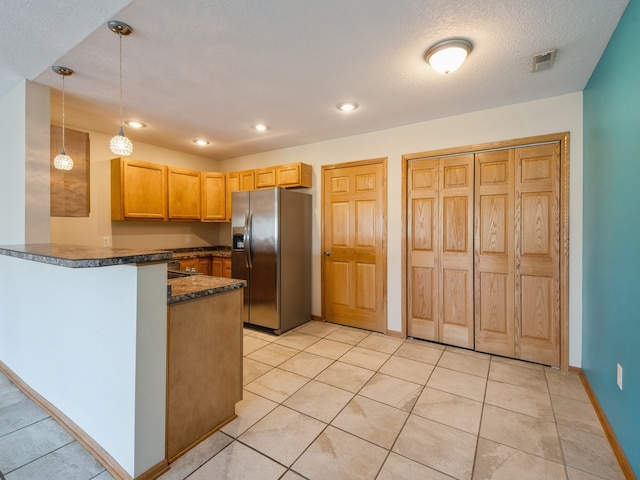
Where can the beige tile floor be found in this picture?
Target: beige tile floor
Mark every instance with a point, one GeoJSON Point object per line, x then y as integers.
{"type": "Point", "coordinates": [331, 402]}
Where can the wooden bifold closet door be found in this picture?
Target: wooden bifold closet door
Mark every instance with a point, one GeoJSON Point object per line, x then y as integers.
{"type": "Point", "coordinates": [484, 258]}
{"type": "Point", "coordinates": [440, 219]}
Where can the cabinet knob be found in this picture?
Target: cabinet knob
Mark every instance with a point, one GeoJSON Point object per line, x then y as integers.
{"type": "Point", "coordinates": [327, 253]}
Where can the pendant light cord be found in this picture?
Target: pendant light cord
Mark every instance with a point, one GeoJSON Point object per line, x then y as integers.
{"type": "Point", "coordinates": [120, 35]}
{"type": "Point", "coordinates": [63, 151]}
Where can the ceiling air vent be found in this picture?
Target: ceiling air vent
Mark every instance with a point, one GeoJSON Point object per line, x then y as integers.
{"type": "Point", "coordinates": [542, 61]}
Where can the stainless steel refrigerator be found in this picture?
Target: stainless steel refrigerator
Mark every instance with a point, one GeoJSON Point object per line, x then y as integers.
{"type": "Point", "coordinates": [271, 241]}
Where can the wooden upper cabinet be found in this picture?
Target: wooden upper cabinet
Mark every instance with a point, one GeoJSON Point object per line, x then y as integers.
{"type": "Point", "coordinates": [236, 182]}
{"type": "Point", "coordinates": [247, 180]}
{"type": "Point", "coordinates": [138, 190]}
{"type": "Point", "coordinates": [184, 193]}
{"type": "Point", "coordinates": [294, 175]}
{"type": "Point", "coordinates": [265, 177]}
{"type": "Point", "coordinates": [214, 197]}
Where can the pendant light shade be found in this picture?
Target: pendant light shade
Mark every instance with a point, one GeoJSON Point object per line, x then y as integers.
{"type": "Point", "coordinates": [120, 144]}
{"type": "Point", "coordinates": [62, 161]}
{"type": "Point", "coordinates": [448, 56]}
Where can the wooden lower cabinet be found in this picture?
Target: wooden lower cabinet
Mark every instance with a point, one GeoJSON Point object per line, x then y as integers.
{"type": "Point", "coordinates": [226, 268]}
{"type": "Point", "coordinates": [188, 263]}
{"type": "Point", "coordinates": [204, 265]}
{"type": "Point", "coordinates": [204, 368]}
{"type": "Point", "coordinates": [221, 267]}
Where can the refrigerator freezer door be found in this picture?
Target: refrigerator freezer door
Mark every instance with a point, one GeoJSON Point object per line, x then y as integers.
{"type": "Point", "coordinates": [264, 276]}
{"type": "Point", "coordinates": [239, 265]}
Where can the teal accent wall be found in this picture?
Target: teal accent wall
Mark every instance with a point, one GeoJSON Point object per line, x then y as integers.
{"type": "Point", "coordinates": [611, 262]}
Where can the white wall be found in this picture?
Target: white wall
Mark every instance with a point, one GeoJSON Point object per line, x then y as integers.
{"type": "Point", "coordinates": [102, 363]}
{"type": "Point", "coordinates": [24, 182]}
{"type": "Point", "coordinates": [37, 192]}
{"type": "Point", "coordinates": [551, 115]}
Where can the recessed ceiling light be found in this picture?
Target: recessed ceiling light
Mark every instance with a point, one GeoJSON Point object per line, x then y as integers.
{"type": "Point", "coordinates": [135, 124]}
{"type": "Point", "coordinates": [447, 56]}
{"type": "Point", "coordinates": [201, 141]}
{"type": "Point", "coordinates": [347, 106]}
{"type": "Point", "coordinates": [261, 127]}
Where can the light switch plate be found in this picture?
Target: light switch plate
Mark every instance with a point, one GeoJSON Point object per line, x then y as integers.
{"type": "Point", "coordinates": [619, 376]}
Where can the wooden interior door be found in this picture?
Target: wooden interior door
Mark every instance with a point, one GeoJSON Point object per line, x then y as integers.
{"type": "Point", "coordinates": [495, 253]}
{"type": "Point", "coordinates": [440, 239]}
{"type": "Point", "coordinates": [353, 236]}
{"type": "Point", "coordinates": [537, 253]}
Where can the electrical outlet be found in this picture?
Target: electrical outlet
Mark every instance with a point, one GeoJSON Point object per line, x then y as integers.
{"type": "Point", "coordinates": [187, 239]}
{"type": "Point", "coordinates": [619, 376]}
{"type": "Point", "coordinates": [105, 241]}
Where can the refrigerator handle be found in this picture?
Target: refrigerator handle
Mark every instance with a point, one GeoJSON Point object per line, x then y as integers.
{"type": "Point", "coordinates": [247, 238]}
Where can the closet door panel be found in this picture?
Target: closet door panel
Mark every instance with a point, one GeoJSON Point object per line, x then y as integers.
{"type": "Point", "coordinates": [494, 259]}
{"type": "Point", "coordinates": [537, 259]}
{"type": "Point", "coordinates": [423, 284]}
{"type": "Point", "coordinates": [456, 254]}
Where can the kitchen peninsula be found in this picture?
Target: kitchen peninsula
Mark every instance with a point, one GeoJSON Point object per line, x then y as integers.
{"type": "Point", "coordinates": [86, 329]}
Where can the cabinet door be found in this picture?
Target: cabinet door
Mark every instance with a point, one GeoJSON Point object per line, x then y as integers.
{"type": "Point", "coordinates": [188, 263]}
{"type": "Point", "coordinates": [226, 271]}
{"type": "Point", "coordinates": [238, 181]}
{"type": "Point", "coordinates": [294, 175]}
{"type": "Point", "coordinates": [265, 177]}
{"type": "Point", "coordinates": [184, 194]}
{"type": "Point", "coordinates": [233, 185]}
{"type": "Point", "coordinates": [204, 265]}
{"type": "Point", "coordinates": [217, 267]}
{"type": "Point", "coordinates": [138, 190]}
{"type": "Point", "coordinates": [247, 180]}
{"type": "Point", "coordinates": [214, 195]}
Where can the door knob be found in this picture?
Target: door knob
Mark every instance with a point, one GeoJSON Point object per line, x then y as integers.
{"type": "Point", "coordinates": [327, 253]}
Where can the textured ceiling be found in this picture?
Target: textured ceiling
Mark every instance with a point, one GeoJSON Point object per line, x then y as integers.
{"type": "Point", "coordinates": [211, 69]}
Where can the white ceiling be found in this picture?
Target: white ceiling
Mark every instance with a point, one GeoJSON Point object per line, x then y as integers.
{"type": "Point", "coordinates": [203, 68]}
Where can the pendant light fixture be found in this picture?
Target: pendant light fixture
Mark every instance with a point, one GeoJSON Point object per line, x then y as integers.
{"type": "Point", "coordinates": [62, 161]}
{"type": "Point", "coordinates": [120, 145]}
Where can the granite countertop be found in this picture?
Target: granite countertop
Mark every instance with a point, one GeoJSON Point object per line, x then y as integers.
{"type": "Point", "coordinates": [196, 286]}
{"type": "Point", "coordinates": [182, 253]}
{"type": "Point", "coordinates": [79, 256]}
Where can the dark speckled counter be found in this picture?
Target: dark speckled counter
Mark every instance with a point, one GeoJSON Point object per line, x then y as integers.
{"type": "Point", "coordinates": [78, 256]}
{"type": "Point", "coordinates": [198, 252]}
{"type": "Point", "coordinates": [196, 286]}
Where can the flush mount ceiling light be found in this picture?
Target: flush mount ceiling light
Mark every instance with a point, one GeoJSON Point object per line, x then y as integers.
{"type": "Point", "coordinates": [261, 127]}
{"type": "Point", "coordinates": [447, 56]}
{"type": "Point", "coordinates": [201, 141]}
{"type": "Point", "coordinates": [347, 106]}
{"type": "Point", "coordinates": [120, 145]}
{"type": "Point", "coordinates": [62, 161]}
{"type": "Point", "coordinates": [135, 124]}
